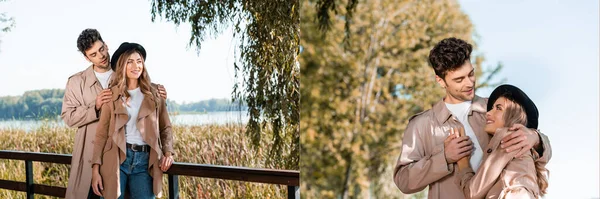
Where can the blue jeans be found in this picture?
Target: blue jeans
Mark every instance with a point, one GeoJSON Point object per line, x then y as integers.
{"type": "Point", "coordinates": [135, 176]}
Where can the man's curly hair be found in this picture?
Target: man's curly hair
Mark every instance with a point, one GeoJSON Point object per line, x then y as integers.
{"type": "Point", "coordinates": [87, 38]}
{"type": "Point", "coordinates": [448, 55]}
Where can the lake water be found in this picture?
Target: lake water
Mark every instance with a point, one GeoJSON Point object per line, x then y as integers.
{"type": "Point", "coordinates": [231, 117]}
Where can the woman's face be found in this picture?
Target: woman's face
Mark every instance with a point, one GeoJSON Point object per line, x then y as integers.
{"type": "Point", "coordinates": [134, 66]}
{"type": "Point", "coordinates": [495, 117]}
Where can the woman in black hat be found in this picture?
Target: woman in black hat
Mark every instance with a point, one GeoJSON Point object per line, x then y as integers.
{"type": "Point", "coordinates": [501, 175]}
{"type": "Point", "coordinates": [134, 141]}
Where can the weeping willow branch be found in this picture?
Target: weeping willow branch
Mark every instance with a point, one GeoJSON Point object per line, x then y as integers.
{"type": "Point", "coordinates": [266, 66]}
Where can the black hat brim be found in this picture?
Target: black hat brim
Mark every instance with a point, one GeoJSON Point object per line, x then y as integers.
{"type": "Point", "coordinates": [124, 47]}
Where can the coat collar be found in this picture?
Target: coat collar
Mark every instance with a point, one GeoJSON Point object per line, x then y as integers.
{"type": "Point", "coordinates": [148, 104]}
{"type": "Point", "coordinates": [90, 77]}
{"type": "Point", "coordinates": [478, 105]}
{"type": "Point", "coordinates": [442, 114]}
{"type": "Point", "coordinates": [497, 138]}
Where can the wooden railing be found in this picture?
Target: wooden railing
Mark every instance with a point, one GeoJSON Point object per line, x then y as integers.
{"type": "Point", "coordinates": [281, 177]}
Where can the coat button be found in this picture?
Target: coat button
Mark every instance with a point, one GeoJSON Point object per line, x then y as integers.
{"type": "Point", "coordinates": [489, 150]}
{"type": "Point", "coordinates": [89, 161]}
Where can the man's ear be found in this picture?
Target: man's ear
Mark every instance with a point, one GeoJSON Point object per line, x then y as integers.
{"type": "Point", "coordinates": [86, 58]}
{"type": "Point", "coordinates": [440, 81]}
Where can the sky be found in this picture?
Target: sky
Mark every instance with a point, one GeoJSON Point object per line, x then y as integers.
{"type": "Point", "coordinates": [41, 51]}
{"type": "Point", "coordinates": [550, 50]}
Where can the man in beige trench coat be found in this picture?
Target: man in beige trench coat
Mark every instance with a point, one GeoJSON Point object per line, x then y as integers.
{"type": "Point", "coordinates": [85, 93]}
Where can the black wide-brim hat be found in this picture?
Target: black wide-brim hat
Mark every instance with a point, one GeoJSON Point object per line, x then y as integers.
{"type": "Point", "coordinates": [517, 95]}
{"type": "Point", "coordinates": [124, 47]}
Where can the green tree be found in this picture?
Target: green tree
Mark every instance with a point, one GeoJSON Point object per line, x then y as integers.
{"type": "Point", "coordinates": [33, 104]}
{"type": "Point", "coordinates": [7, 106]}
{"type": "Point", "coordinates": [32, 99]}
{"type": "Point", "coordinates": [361, 81]}
{"type": "Point", "coordinates": [172, 106]}
{"type": "Point", "coordinates": [266, 65]}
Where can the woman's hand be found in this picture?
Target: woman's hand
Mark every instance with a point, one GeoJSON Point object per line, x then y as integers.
{"type": "Point", "coordinates": [462, 163]}
{"type": "Point", "coordinates": [97, 180]}
{"type": "Point", "coordinates": [166, 162]}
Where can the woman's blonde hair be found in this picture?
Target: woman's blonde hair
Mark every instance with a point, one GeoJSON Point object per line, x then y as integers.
{"type": "Point", "coordinates": [515, 114]}
{"type": "Point", "coordinates": [120, 79]}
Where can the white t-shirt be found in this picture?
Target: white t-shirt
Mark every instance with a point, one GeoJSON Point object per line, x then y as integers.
{"type": "Point", "coordinates": [132, 134]}
{"type": "Point", "coordinates": [461, 112]}
{"type": "Point", "coordinates": [104, 77]}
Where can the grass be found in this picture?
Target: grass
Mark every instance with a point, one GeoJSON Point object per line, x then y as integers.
{"type": "Point", "coordinates": [206, 144]}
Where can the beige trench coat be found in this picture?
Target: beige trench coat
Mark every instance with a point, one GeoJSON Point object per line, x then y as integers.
{"type": "Point", "coordinates": [500, 175]}
{"type": "Point", "coordinates": [110, 151]}
{"type": "Point", "coordinates": [78, 110]}
{"type": "Point", "coordinates": [422, 161]}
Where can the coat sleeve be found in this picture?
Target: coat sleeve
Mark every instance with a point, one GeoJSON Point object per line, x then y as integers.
{"type": "Point", "coordinates": [75, 113]}
{"type": "Point", "coordinates": [101, 134]}
{"type": "Point", "coordinates": [164, 125]}
{"type": "Point", "coordinates": [546, 150]}
{"type": "Point", "coordinates": [414, 169]}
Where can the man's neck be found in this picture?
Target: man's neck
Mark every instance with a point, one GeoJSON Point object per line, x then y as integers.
{"type": "Point", "coordinates": [450, 100]}
{"type": "Point", "coordinates": [100, 69]}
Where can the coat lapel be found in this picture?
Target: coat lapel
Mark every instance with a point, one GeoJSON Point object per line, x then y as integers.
{"type": "Point", "coordinates": [121, 114]}
{"type": "Point", "coordinates": [147, 124]}
{"type": "Point", "coordinates": [147, 120]}
{"type": "Point", "coordinates": [121, 117]}
{"type": "Point", "coordinates": [441, 112]}
{"type": "Point", "coordinates": [148, 107]}
{"type": "Point", "coordinates": [91, 81]}
{"type": "Point", "coordinates": [497, 138]}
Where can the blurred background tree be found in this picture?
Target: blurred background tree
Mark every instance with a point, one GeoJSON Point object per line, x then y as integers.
{"type": "Point", "coordinates": [363, 75]}
{"type": "Point", "coordinates": [266, 67]}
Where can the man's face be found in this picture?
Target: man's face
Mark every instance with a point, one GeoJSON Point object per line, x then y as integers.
{"type": "Point", "coordinates": [98, 55]}
{"type": "Point", "coordinates": [459, 84]}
